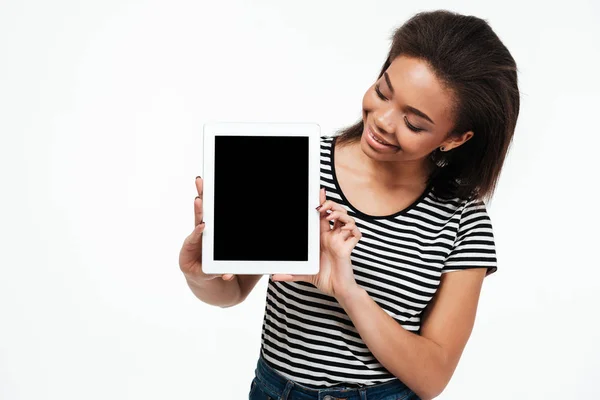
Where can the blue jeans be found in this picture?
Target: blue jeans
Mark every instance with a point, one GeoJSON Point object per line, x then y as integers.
{"type": "Point", "coordinates": [268, 384]}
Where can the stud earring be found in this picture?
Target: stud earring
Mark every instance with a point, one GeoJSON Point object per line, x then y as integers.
{"type": "Point", "coordinates": [442, 148]}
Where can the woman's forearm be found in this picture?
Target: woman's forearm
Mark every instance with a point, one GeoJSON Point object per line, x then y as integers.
{"type": "Point", "coordinates": [216, 292]}
{"type": "Point", "coordinates": [415, 360]}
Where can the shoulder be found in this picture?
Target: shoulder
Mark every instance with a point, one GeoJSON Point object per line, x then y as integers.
{"type": "Point", "coordinates": [326, 140]}
{"type": "Point", "coordinates": [459, 205]}
{"type": "Point", "coordinates": [474, 208]}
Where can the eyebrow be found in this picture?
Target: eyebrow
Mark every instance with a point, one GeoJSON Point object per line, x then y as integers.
{"type": "Point", "coordinates": [410, 108]}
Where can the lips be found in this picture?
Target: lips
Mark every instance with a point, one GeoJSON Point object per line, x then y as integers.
{"type": "Point", "coordinates": [372, 132]}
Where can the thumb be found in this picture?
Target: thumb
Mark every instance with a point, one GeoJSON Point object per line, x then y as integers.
{"type": "Point", "coordinates": [193, 242]}
{"type": "Point", "coordinates": [322, 196]}
{"type": "Point", "coordinates": [291, 278]}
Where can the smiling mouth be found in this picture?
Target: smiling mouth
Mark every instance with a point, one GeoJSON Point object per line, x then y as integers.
{"type": "Point", "coordinates": [380, 141]}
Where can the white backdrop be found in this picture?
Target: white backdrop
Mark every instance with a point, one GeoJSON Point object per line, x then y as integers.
{"type": "Point", "coordinates": [101, 110]}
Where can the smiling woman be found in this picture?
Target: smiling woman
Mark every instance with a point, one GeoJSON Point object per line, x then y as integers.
{"type": "Point", "coordinates": [412, 176]}
{"type": "Point", "coordinates": [406, 240]}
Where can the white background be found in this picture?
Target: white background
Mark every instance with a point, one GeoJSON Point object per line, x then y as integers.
{"type": "Point", "coordinates": [101, 110]}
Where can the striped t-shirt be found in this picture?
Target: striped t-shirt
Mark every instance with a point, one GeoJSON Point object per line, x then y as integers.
{"type": "Point", "coordinates": [308, 337]}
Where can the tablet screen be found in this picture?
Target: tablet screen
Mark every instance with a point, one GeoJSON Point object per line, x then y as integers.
{"type": "Point", "coordinates": [261, 198]}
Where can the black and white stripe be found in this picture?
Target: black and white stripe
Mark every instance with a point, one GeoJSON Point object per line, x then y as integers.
{"type": "Point", "coordinates": [307, 336]}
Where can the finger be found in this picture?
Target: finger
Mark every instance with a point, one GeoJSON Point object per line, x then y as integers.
{"type": "Point", "coordinates": [353, 240]}
{"type": "Point", "coordinates": [339, 219]}
{"type": "Point", "coordinates": [289, 278]}
{"type": "Point", "coordinates": [198, 202]}
{"type": "Point", "coordinates": [227, 277]}
{"type": "Point", "coordinates": [331, 205]}
{"type": "Point", "coordinates": [192, 243]}
{"type": "Point", "coordinates": [198, 210]}
{"type": "Point", "coordinates": [340, 216]}
{"type": "Point", "coordinates": [324, 224]}
{"type": "Point", "coordinates": [344, 234]}
{"type": "Point", "coordinates": [354, 232]}
{"type": "Point", "coordinates": [349, 230]}
{"type": "Point", "coordinates": [348, 227]}
{"type": "Point", "coordinates": [199, 185]}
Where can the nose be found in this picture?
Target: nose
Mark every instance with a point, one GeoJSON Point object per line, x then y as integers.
{"type": "Point", "coordinates": [384, 120]}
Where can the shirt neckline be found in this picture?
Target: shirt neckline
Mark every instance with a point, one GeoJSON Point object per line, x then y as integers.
{"type": "Point", "coordinates": [357, 211]}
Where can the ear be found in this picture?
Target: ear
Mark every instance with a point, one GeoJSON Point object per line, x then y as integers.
{"type": "Point", "coordinates": [456, 141]}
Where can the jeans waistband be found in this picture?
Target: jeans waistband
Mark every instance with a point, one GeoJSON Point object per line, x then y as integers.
{"type": "Point", "coordinates": [282, 385]}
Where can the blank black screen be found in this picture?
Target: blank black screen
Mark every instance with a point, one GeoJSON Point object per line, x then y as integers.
{"type": "Point", "coordinates": [261, 198]}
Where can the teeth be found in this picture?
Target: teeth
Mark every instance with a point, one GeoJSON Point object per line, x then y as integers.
{"type": "Point", "coordinates": [379, 141]}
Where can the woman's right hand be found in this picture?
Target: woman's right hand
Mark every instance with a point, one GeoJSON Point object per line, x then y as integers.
{"type": "Point", "coordinates": [190, 256]}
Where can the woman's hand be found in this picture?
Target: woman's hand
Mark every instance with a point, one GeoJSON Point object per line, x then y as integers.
{"type": "Point", "coordinates": [335, 277]}
{"type": "Point", "coordinates": [190, 255]}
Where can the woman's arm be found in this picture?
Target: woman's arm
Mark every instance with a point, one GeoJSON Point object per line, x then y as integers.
{"type": "Point", "coordinates": [425, 362]}
{"type": "Point", "coordinates": [224, 293]}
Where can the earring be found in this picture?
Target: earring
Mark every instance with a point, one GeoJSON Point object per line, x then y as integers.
{"type": "Point", "coordinates": [442, 148]}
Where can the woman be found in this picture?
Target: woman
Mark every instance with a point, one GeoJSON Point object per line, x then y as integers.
{"type": "Point", "coordinates": [405, 237]}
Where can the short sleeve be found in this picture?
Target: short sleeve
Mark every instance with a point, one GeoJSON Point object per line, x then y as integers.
{"type": "Point", "coordinates": [474, 246]}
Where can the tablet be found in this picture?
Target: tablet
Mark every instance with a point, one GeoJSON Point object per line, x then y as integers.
{"type": "Point", "coordinates": [261, 189]}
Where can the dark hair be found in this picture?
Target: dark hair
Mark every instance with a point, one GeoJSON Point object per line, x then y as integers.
{"type": "Point", "coordinates": [471, 61]}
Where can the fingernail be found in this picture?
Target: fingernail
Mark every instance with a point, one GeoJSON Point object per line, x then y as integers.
{"type": "Point", "coordinates": [197, 197]}
{"type": "Point", "coordinates": [198, 177]}
{"type": "Point", "coordinates": [318, 208]}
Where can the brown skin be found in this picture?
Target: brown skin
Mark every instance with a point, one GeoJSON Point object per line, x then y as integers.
{"type": "Point", "coordinates": [383, 183]}
{"type": "Point", "coordinates": [414, 85]}
{"type": "Point", "coordinates": [397, 179]}
{"type": "Point", "coordinates": [424, 362]}
{"type": "Point", "coordinates": [226, 291]}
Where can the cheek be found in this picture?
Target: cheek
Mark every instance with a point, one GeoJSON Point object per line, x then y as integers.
{"type": "Point", "coordinates": [418, 144]}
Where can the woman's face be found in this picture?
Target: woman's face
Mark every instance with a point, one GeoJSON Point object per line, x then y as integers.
{"type": "Point", "coordinates": [409, 109]}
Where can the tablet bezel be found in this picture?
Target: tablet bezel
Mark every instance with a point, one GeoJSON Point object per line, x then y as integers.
{"type": "Point", "coordinates": [310, 130]}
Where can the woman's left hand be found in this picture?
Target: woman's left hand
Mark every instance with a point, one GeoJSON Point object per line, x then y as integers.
{"type": "Point", "coordinates": [335, 277]}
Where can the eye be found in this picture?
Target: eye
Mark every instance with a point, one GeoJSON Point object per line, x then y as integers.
{"type": "Point", "coordinates": [408, 124]}
{"type": "Point", "coordinates": [411, 127]}
{"type": "Point", "coordinates": [381, 96]}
